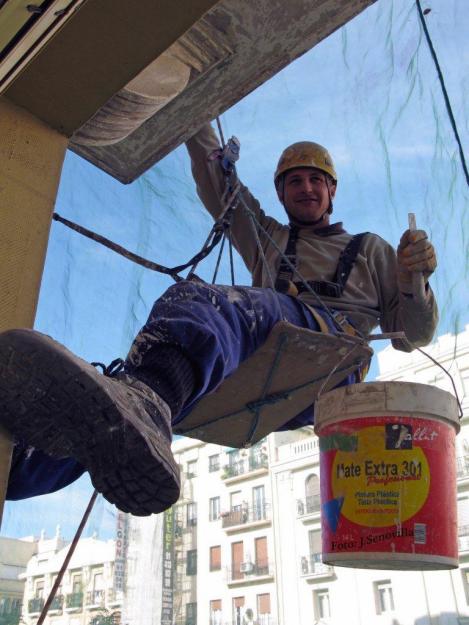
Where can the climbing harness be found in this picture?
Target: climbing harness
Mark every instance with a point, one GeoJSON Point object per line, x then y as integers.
{"type": "Point", "coordinates": [335, 288]}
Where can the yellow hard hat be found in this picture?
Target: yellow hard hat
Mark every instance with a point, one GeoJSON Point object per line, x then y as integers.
{"type": "Point", "coordinates": [305, 154]}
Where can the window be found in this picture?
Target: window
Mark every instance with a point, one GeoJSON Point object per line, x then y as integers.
{"type": "Point", "coordinates": [262, 561]}
{"type": "Point", "coordinates": [258, 457]}
{"type": "Point", "coordinates": [4, 606]}
{"type": "Point", "coordinates": [315, 550]}
{"type": "Point", "coordinates": [384, 597]}
{"type": "Point", "coordinates": [214, 508]}
{"type": "Point", "coordinates": [39, 589]}
{"type": "Point", "coordinates": [238, 609]}
{"type": "Point", "coordinates": [258, 503]}
{"type": "Point", "coordinates": [235, 500]}
{"type": "Point", "coordinates": [76, 583]}
{"type": "Point", "coordinates": [235, 463]}
{"type": "Point", "coordinates": [312, 494]}
{"type": "Point", "coordinates": [98, 588]}
{"type": "Point", "coordinates": [214, 463]}
{"type": "Point", "coordinates": [191, 514]}
{"type": "Point", "coordinates": [15, 606]}
{"type": "Point", "coordinates": [215, 558]}
{"type": "Point", "coordinates": [98, 581]}
{"type": "Point", "coordinates": [191, 614]}
{"type": "Point", "coordinates": [215, 612]}
{"type": "Point", "coordinates": [191, 562]}
{"type": "Point", "coordinates": [263, 609]}
{"type": "Point", "coordinates": [191, 469]}
{"type": "Point", "coordinates": [322, 608]}
{"type": "Point", "coordinates": [237, 558]}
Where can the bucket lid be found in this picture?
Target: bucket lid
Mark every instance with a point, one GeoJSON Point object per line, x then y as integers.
{"type": "Point", "coordinates": [381, 398]}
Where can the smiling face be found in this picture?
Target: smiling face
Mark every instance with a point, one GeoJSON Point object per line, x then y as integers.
{"type": "Point", "coordinates": [305, 195]}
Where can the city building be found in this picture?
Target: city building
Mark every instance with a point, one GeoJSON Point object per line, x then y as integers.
{"type": "Point", "coordinates": [14, 557]}
{"type": "Point", "coordinates": [223, 538]}
{"type": "Point", "coordinates": [91, 590]}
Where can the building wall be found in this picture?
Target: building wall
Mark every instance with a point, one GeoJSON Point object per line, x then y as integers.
{"type": "Point", "coordinates": [14, 556]}
{"type": "Point", "coordinates": [88, 588]}
{"type": "Point", "coordinates": [243, 517]}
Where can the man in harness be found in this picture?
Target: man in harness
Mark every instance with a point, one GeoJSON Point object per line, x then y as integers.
{"type": "Point", "coordinates": [66, 417]}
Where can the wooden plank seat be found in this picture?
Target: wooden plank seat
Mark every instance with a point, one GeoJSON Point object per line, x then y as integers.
{"type": "Point", "coordinates": [282, 378]}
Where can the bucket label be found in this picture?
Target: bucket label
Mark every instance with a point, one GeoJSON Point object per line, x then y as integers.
{"type": "Point", "coordinates": [370, 483]}
{"type": "Point", "coordinates": [388, 484]}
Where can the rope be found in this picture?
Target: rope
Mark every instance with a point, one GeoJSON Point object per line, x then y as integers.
{"type": "Point", "coordinates": [212, 241]}
{"type": "Point", "coordinates": [443, 88]}
{"type": "Point", "coordinates": [67, 559]}
{"type": "Point", "coordinates": [220, 131]}
{"type": "Point", "coordinates": [230, 243]}
{"type": "Point", "coordinates": [220, 254]}
{"type": "Point", "coordinates": [257, 406]}
{"type": "Point", "coordinates": [262, 254]}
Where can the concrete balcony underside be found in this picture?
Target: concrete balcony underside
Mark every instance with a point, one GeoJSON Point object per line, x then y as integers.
{"type": "Point", "coordinates": [244, 43]}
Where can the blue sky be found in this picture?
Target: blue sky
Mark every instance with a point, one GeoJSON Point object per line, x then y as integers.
{"type": "Point", "coordinates": [370, 94]}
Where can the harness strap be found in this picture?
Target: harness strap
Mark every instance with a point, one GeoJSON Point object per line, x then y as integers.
{"type": "Point", "coordinates": [334, 288]}
{"type": "Point", "coordinates": [323, 327]}
{"type": "Point", "coordinates": [284, 276]}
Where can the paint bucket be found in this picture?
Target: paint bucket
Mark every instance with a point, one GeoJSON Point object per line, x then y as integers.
{"type": "Point", "coordinates": [388, 476]}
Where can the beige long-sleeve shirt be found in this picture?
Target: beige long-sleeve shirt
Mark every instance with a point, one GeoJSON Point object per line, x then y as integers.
{"type": "Point", "coordinates": [371, 296]}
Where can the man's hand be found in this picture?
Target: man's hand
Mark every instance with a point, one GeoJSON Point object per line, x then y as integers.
{"type": "Point", "coordinates": [415, 253]}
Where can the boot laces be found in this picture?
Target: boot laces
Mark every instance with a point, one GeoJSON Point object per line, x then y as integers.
{"type": "Point", "coordinates": [111, 370]}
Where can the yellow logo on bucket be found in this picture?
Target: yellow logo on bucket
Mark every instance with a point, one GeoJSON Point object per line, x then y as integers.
{"type": "Point", "coordinates": [380, 486]}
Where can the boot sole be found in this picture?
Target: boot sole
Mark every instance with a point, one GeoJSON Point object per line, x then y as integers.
{"type": "Point", "coordinates": [59, 404]}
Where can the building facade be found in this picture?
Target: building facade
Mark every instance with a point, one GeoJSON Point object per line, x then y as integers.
{"type": "Point", "coordinates": [14, 557]}
{"type": "Point", "coordinates": [224, 569]}
{"type": "Point", "coordinates": [90, 592]}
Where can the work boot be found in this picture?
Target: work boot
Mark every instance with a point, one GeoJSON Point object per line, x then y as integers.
{"type": "Point", "coordinates": [117, 427]}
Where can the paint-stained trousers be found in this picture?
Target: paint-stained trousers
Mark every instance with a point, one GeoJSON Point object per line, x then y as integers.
{"type": "Point", "coordinates": [216, 327]}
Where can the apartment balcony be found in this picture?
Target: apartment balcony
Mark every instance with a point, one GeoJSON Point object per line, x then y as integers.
{"type": "Point", "coordinates": [242, 518]}
{"type": "Point", "coordinates": [308, 508]}
{"type": "Point", "coordinates": [57, 604]}
{"type": "Point", "coordinates": [313, 569]}
{"type": "Point", "coordinates": [74, 601]}
{"type": "Point", "coordinates": [245, 469]}
{"type": "Point", "coordinates": [95, 599]}
{"type": "Point", "coordinates": [249, 573]}
{"type": "Point", "coordinates": [35, 605]}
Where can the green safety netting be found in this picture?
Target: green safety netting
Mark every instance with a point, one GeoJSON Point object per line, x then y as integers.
{"type": "Point", "coordinates": [371, 94]}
